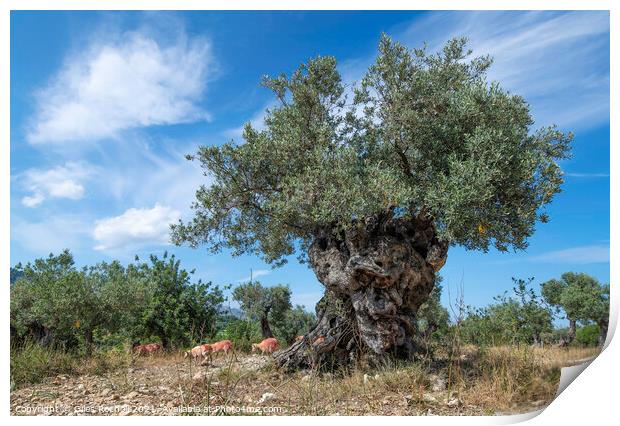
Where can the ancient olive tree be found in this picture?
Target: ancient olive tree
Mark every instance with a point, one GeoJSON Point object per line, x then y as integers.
{"type": "Point", "coordinates": [582, 298]}
{"type": "Point", "coordinates": [371, 190]}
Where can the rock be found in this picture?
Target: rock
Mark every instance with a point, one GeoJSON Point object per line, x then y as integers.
{"type": "Point", "coordinates": [266, 397]}
{"type": "Point", "coordinates": [105, 392]}
{"type": "Point", "coordinates": [131, 395]}
{"type": "Point", "coordinates": [454, 402]}
{"type": "Point", "coordinates": [438, 384]}
{"type": "Point", "coordinates": [427, 397]}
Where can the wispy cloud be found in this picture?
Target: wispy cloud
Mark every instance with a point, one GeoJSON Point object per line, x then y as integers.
{"type": "Point", "coordinates": [575, 255]}
{"type": "Point", "coordinates": [142, 171]}
{"type": "Point", "coordinates": [64, 181]}
{"type": "Point", "coordinates": [255, 274]}
{"type": "Point", "coordinates": [587, 175]}
{"type": "Point", "coordinates": [559, 61]}
{"type": "Point", "coordinates": [134, 228]}
{"type": "Point", "coordinates": [118, 85]}
{"type": "Point", "coordinates": [538, 54]}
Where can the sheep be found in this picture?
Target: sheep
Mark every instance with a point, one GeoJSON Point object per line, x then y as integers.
{"type": "Point", "coordinates": [269, 346]}
{"type": "Point", "coordinates": [197, 352]}
{"type": "Point", "coordinates": [144, 350]}
{"type": "Point", "coordinates": [318, 341]}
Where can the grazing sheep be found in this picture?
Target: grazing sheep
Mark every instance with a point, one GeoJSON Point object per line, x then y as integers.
{"type": "Point", "coordinates": [145, 350]}
{"type": "Point", "coordinates": [318, 341]}
{"type": "Point", "coordinates": [267, 346]}
{"type": "Point", "coordinates": [197, 353]}
{"type": "Point", "coordinates": [222, 346]}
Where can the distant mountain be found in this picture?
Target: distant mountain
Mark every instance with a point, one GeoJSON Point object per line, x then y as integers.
{"type": "Point", "coordinates": [236, 312]}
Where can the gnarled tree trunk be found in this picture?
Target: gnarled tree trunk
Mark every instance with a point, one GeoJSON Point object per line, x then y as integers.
{"type": "Point", "coordinates": [264, 323]}
{"type": "Point", "coordinates": [603, 326]}
{"type": "Point", "coordinates": [572, 333]}
{"type": "Point", "coordinates": [376, 276]}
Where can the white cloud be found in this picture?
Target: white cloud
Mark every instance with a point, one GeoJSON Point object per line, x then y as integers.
{"type": "Point", "coordinates": [116, 86]}
{"type": "Point", "coordinates": [135, 227]}
{"type": "Point", "coordinates": [255, 274]}
{"type": "Point", "coordinates": [576, 255]}
{"type": "Point", "coordinates": [59, 182]}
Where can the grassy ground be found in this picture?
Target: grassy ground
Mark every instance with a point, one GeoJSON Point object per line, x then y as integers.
{"type": "Point", "coordinates": [473, 382]}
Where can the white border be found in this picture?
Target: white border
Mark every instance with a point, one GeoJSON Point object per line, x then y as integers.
{"type": "Point", "coordinates": [591, 399]}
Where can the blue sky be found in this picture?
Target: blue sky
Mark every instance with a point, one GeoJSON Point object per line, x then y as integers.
{"type": "Point", "coordinates": [104, 106]}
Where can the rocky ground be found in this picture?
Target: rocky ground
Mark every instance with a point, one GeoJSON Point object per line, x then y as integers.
{"type": "Point", "coordinates": [163, 386]}
{"type": "Point", "coordinates": [249, 385]}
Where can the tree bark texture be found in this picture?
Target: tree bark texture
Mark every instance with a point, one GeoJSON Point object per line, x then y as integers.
{"type": "Point", "coordinates": [376, 276]}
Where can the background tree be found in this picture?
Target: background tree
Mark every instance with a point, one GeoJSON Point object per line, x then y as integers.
{"type": "Point", "coordinates": [178, 311]}
{"type": "Point", "coordinates": [264, 304]}
{"type": "Point", "coordinates": [373, 191]}
{"type": "Point", "coordinates": [521, 318]}
{"type": "Point", "coordinates": [53, 302]}
{"type": "Point", "coordinates": [296, 322]}
{"type": "Point", "coordinates": [582, 298]}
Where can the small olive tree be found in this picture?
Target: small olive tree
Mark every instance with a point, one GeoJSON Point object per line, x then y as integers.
{"type": "Point", "coordinates": [582, 298]}
{"type": "Point", "coordinates": [263, 304]}
{"type": "Point", "coordinates": [373, 190]}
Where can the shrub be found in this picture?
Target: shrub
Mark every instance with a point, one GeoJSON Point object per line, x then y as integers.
{"type": "Point", "coordinates": [588, 335]}
{"type": "Point", "coordinates": [242, 333]}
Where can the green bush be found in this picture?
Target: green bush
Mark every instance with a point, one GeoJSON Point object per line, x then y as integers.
{"type": "Point", "coordinates": [242, 333]}
{"type": "Point", "coordinates": [587, 335]}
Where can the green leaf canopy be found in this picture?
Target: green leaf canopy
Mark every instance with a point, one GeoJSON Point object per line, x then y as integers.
{"type": "Point", "coordinates": [422, 135]}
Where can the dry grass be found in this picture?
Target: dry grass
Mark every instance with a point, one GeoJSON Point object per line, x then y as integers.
{"type": "Point", "coordinates": [477, 381]}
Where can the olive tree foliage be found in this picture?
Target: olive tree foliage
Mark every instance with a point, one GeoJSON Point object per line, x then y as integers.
{"type": "Point", "coordinates": [268, 305]}
{"type": "Point", "coordinates": [178, 311]}
{"type": "Point", "coordinates": [372, 189]}
{"type": "Point", "coordinates": [582, 298]}
{"type": "Point", "coordinates": [296, 322]}
{"type": "Point", "coordinates": [425, 134]}
{"type": "Point", "coordinates": [54, 302]}
{"type": "Point", "coordinates": [521, 318]}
